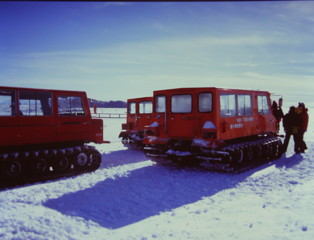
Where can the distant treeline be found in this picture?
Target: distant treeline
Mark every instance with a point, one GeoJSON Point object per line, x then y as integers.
{"type": "Point", "coordinates": [105, 104]}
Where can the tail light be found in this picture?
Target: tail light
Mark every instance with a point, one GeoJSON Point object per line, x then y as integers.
{"type": "Point", "coordinates": [152, 130]}
{"type": "Point", "coordinates": [127, 126]}
{"type": "Point", "coordinates": [209, 135]}
{"type": "Point", "coordinates": [209, 130]}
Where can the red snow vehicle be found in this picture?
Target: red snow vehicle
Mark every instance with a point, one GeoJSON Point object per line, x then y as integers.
{"type": "Point", "coordinates": [221, 129]}
{"type": "Point", "coordinates": [139, 114]}
{"type": "Point", "coordinates": [44, 131]}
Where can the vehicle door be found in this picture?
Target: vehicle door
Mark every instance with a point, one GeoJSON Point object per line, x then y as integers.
{"type": "Point", "coordinates": [181, 117]}
{"type": "Point", "coordinates": [145, 114]}
{"type": "Point", "coordinates": [36, 121]}
{"type": "Point", "coordinates": [74, 121]}
{"type": "Point", "coordinates": [9, 121]}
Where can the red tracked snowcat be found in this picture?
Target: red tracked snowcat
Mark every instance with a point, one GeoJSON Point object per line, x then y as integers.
{"type": "Point", "coordinates": [46, 132]}
{"type": "Point", "coordinates": [220, 129]}
{"type": "Point", "coordinates": [139, 114]}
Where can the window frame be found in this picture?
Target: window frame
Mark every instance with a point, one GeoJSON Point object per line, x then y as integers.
{"type": "Point", "coordinates": [245, 107]}
{"type": "Point", "coordinates": [75, 114]}
{"type": "Point", "coordinates": [30, 95]}
{"type": "Point", "coordinates": [12, 106]}
{"type": "Point", "coordinates": [228, 110]}
{"type": "Point", "coordinates": [261, 111]}
{"type": "Point", "coordinates": [130, 104]}
{"type": "Point", "coordinates": [145, 102]}
{"type": "Point", "coordinates": [156, 106]}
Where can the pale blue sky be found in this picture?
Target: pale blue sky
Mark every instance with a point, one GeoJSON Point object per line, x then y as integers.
{"type": "Point", "coordinates": [120, 50]}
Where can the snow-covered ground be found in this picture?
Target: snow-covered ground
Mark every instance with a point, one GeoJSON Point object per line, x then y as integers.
{"type": "Point", "coordinates": [129, 197]}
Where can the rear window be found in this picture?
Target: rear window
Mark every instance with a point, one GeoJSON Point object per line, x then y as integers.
{"type": "Point", "coordinates": [160, 102]}
{"type": "Point", "coordinates": [181, 103]}
{"type": "Point", "coordinates": [146, 107]}
{"type": "Point", "coordinates": [205, 103]}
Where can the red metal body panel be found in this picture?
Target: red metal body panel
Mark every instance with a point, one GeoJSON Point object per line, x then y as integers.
{"type": "Point", "coordinates": [137, 118]}
{"type": "Point", "coordinates": [192, 120]}
{"type": "Point", "coordinates": [139, 114]}
{"type": "Point", "coordinates": [41, 116]}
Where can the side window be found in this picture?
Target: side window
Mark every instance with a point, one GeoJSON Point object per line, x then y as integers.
{"type": "Point", "coordinates": [70, 106]}
{"type": "Point", "coordinates": [132, 107]}
{"type": "Point", "coordinates": [35, 103]}
{"type": "Point", "coordinates": [181, 103]}
{"type": "Point", "coordinates": [7, 103]}
{"type": "Point", "coordinates": [205, 102]}
{"type": "Point", "coordinates": [244, 105]}
{"type": "Point", "coordinates": [146, 107]}
{"type": "Point", "coordinates": [227, 105]}
{"type": "Point", "coordinates": [160, 106]}
{"type": "Point", "coordinates": [263, 106]}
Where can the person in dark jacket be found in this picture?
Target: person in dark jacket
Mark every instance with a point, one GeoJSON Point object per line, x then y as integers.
{"type": "Point", "coordinates": [291, 123]}
{"type": "Point", "coordinates": [278, 113]}
{"type": "Point", "coordinates": [304, 119]}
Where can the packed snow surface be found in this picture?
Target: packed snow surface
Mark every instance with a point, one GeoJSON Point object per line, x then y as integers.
{"type": "Point", "coordinates": [130, 197]}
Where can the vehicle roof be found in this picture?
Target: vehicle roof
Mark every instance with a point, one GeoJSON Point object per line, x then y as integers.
{"type": "Point", "coordinates": [39, 89]}
{"type": "Point", "coordinates": [203, 89]}
{"type": "Point", "coordinates": [140, 99]}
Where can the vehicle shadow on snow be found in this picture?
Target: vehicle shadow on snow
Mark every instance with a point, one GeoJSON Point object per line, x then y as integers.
{"type": "Point", "coordinates": [121, 157]}
{"type": "Point", "coordinates": [144, 193]}
{"type": "Point", "coordinates": [148, 191]}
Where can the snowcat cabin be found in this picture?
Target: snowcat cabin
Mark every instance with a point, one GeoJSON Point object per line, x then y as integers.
{"type": "Point", "coordinates": [180, 114]}
{"type": "Point", "coordinates": [37, 124]}
{"type": "Point", "coordinates": [139, 114]}
{"type": "Point", "coordinates": [201, 123]}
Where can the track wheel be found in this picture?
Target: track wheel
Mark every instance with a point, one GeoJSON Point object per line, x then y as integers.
{"type": "Point", "coordinates": [125, 140]}
{"type": "Point", "coordinates": [258, 152]}
{"type": "Point", "coordinates": [237, 156]}
{"type": "Point", "coordinates": [277, 149]}
{"type": "Point", "coordinates": [61, 163]}
{"type": "Point", "coordinates": [266, 151]}
{"type": "Point", "coordinates": [280, 148]}
{"type": "Point", "coordinates": [81, 160]}
{"type": "Point", "coordinates": [95, 160]}
{"type": "Point", "coordinates": [12, 169]}
{"type": "Point", "coordinates": [248, 154]}
{"type": "Point", "coordinates": [38, 165]}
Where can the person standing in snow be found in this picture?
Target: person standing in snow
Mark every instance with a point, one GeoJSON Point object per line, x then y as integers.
{"type": "Point", "coordinates": [277, 111]}
{"type": "Point", "coordinates": [291, 123]}
{"type": "Point", "coordinates": [304, 119]}
{"type": "Point", "coordinates": [95, 108]}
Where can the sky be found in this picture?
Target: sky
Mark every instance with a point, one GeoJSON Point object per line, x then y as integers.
{"type": "Point", "coordinates": [121, 50]}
